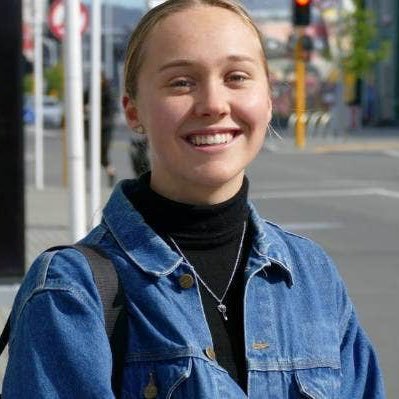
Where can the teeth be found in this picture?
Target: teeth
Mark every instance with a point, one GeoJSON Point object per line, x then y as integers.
{"type": "Point", "coordinates": [211, 139]}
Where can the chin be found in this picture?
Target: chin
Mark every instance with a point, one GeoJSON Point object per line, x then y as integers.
{"type": "Point", "coordinates": [218, 177]}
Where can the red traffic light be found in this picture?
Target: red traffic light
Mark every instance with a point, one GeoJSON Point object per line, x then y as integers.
{"type": "Point", "coordinates": [301, 12]}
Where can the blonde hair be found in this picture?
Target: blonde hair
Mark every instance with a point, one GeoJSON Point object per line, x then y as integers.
{"type": "Point", "coordinates": [136, 44]}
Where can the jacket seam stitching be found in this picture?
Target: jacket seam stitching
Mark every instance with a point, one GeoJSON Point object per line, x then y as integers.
{"type": "Point", "coordinates": [344, 325]}
{"type": "Point", "coordinates": [294, 365]}
{"type": "Point", "coordinates": [41, 281]}
{"type": "Point", "coordinates": [42, 290]}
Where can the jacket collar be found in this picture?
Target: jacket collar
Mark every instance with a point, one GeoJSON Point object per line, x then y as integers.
{"type": "Point", "coordinates": [269, 245]}
{"type": "Point", "coordinates": [146, 249]}
{"type": "Point", "coordinates": [135, 237]}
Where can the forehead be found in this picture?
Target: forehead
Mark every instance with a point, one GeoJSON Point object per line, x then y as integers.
{"type": "Point", "coordinates": [207, 28]}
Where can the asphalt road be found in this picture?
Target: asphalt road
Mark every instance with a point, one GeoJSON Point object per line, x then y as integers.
{"type": "Point", "coordinates": [347, 201]}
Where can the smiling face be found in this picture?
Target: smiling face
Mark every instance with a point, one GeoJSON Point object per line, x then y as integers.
{"type": "Point", "coordinates": [203, 100]}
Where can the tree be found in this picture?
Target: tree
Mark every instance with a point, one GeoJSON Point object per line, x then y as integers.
{"type": "Point", "coordinates": [28, 83]}
{"type": "Point", "coordinates": [55, 80]}
{"type": "Point", "coordinates": [359, 45]}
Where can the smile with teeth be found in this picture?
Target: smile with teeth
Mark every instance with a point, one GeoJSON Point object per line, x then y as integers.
{"type": "Point", "coordinates": [211, 139]}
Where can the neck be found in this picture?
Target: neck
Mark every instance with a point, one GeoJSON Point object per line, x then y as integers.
{"type": "Point", "coordinates": [197, 194]}
{"type": "Point", "coordinates": [202, 223]}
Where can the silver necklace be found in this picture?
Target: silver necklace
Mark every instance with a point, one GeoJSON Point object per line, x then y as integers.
{"type": "Point", "coordinates": [221, 307]}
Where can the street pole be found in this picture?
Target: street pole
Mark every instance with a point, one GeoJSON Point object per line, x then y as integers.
{"type": "Point", "coordinates": [109, 42]}
{"type": "Point", "coordinates": [95, 113]}
{"type": "Point", "coordinates": [74, 120]}
{"type": "Point", "coordinates": [38, 73]}
{"type": "Point", "coordinates": [300, 90]}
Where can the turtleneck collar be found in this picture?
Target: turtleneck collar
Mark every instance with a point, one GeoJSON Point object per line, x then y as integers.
{"type": "Point", "coordinates": [197, 223]}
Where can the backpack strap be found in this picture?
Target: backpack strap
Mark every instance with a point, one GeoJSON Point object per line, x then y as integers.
{"type": "Point", "coordinates": [107, 283]}
{"type": "Point", "coordinates": [5, 336]}
{"type": "Point", "coordinates": [115, 314]}
{"type": "Point", "coordinates": [113, 300]}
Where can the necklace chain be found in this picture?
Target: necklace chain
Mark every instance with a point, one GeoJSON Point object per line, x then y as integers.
{"type": "Point", "coordinates": [221, 307]}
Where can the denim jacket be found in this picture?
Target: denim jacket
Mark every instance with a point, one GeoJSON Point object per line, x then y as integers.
{"type": "Point", "coordinates": [302, 336]}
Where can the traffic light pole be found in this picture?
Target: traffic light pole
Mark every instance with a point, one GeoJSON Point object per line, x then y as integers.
{"type": "Point", "coordinates": [300, 93]}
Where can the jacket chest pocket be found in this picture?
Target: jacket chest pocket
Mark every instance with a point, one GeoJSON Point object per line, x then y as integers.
{"type": "Point", "coordinates": [306, 383]}
{"type": "Point", "coordinates": [154, 379]}
{"type": "Point", "coordinates": [318, 383]}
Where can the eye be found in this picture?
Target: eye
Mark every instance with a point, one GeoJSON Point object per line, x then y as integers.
{"type": "Point", "coordinates": [237, 77]}
{"type": "Point", "coordinates": [181, 83]}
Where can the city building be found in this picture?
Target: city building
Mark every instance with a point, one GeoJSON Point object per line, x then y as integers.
{"type": "Point", "coordinates": [381, 94]}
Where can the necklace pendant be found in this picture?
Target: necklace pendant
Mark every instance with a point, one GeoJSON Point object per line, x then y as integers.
{"type": "Point", "coordinates": [222, 309]}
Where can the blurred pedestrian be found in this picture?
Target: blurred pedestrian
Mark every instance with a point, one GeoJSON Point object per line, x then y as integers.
{"type": "Point", "coordinates": [138, 153]}
{"type": "Point", "coordinates": [220, 303]}
{"type": "Point", "coordinates": [107, 126]}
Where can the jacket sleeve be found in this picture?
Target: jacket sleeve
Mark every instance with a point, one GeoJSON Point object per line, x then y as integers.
{"type": "Point", "coordinates": [361, 376]}
{"type": "Point", "coordinates": [59, 347]}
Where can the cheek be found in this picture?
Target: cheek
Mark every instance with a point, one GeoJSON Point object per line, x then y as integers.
{"type": "Point", "coordinates": [162, 128]}
{"type": "Point", "coordinates": [256, 109]}
{"type": "Point", "coordinates": [165, 116]}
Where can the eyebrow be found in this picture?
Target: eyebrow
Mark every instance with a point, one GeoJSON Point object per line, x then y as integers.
{"type": "Point", "coordinates": [174, 64]}
{"type": "Point", "coordinates": [188, 62]}
{"type": "Point", "coordinates": [240, 58]}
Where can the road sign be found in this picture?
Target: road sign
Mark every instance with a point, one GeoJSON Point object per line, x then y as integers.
{"type": "Point", "coordinates": [56, 19]}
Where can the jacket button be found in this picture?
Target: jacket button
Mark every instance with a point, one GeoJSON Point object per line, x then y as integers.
{"type": "Point", "coordinates": [186, 281]}
{"type": "Point", "coordinates": [151, 390]}
{"type": "Point", "coordinates": [210, 353]}
{"type": "Point", "coordinates": [260, 345]}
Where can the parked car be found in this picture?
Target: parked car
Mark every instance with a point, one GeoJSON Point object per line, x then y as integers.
{"type": "Point", "coordinates": [53, 111]}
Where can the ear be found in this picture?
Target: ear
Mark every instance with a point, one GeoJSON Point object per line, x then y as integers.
{"type": "Point", "coordinates": [131, 113]}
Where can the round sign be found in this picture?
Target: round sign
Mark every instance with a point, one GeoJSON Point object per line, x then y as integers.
{"type": "Point", "coordinates": [56, 18]}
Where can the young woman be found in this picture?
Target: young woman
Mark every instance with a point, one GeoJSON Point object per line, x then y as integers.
{"type": "Point", "coordinates": [221, 304]}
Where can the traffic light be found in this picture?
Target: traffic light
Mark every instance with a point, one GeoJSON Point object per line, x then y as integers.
{"type": "Point", "coordinates": [301, 12]}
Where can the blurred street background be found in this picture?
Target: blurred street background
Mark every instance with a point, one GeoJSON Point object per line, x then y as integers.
{"type": "Point", "coordinates": [340, 186]}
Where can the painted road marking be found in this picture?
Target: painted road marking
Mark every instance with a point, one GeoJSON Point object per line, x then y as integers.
{"type": "Point", "coordinates": [311, 226]}
{"type": "Point", "coordinates": [325, 193]}
{"type": "Point", "coordinates": [392, 153]}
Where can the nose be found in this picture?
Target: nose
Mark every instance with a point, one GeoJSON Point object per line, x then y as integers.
{"type": "Point", "coordinates": [212, 101]}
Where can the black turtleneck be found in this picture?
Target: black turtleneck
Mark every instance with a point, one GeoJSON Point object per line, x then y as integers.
{"type": "Point", "coordinates": [209, 237]}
